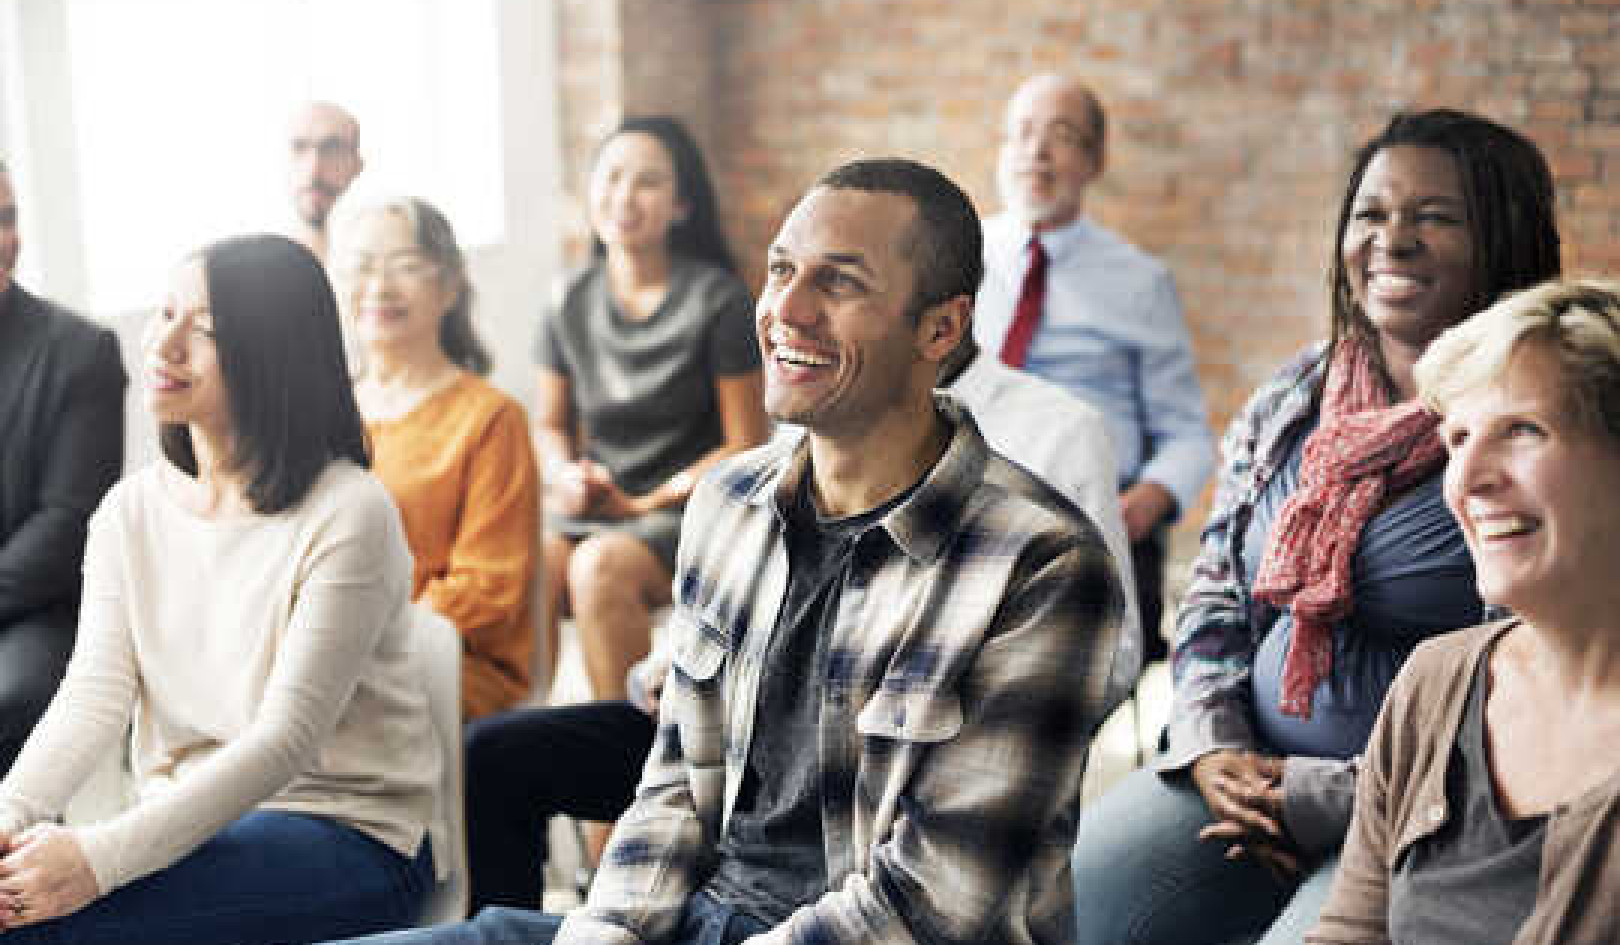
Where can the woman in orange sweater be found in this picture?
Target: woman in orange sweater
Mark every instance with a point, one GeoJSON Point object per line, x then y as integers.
{"type": "Point", "coordinates": [453, 450]}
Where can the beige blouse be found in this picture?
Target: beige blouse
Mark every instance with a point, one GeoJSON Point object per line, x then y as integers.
{"type": "Point", "coordinates": [263, 661]}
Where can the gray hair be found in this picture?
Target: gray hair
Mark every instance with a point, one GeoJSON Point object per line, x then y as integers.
{"type": "Point", "coordinates": [437, 240]}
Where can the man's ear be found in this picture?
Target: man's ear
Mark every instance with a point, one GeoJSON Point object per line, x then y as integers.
{"type": "Point", "coordinates": [941, 327]}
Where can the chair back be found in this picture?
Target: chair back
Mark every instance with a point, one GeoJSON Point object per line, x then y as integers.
{"type": "Point", "coordinates": [438, 646]}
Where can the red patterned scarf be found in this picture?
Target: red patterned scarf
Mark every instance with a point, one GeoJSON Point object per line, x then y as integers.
{"type": "Point", "coordinates": [1362, 450]}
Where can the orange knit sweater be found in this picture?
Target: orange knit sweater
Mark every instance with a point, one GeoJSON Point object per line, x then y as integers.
{"type": "Point", "coordinates": [462, 470]}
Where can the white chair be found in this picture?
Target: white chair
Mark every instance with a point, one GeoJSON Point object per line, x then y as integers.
{"type": "Point", "coordinates": [108, 790]}
{"type": "Point", "coordinates": [439, 653]}
{"type": "Point", "coordinates": [140, 445]}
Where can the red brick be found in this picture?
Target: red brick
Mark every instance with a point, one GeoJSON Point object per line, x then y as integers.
{"type": "Point", "coordinates": [1232, 121]}
{"type": "Point", "coordinates": [1573, 166]}
{"type": "Point", "coordinates": [1556, 111]}
{"type": "Point", "coordinates": [1587, 23]}
{"type": "Point", "coordinates": [1570, 82]}
{"type": "Point", "coordinates": [1218, 59]}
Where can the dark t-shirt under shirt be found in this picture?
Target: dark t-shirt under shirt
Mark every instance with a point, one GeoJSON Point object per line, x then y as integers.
{"type": "Point", "coordinates": [771, 857]}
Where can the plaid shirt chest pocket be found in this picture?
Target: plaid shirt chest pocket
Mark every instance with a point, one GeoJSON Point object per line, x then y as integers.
{"type": "Point", "coordinates": [906, 714]}
{"type": "Point", "coordinates": [900, 726]}
{"type": "Point", "coordinates": [696, 691]}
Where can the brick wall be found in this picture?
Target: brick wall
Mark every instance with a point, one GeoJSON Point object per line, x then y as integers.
{"type": "Point", "coordinates": [670, 50]}
{"type": "Point", "coordinates": [619, 57]}
{"type": "Point", "coordinates": [1232, 121]}
{"type": "Point", "coordinates": [591, 78]}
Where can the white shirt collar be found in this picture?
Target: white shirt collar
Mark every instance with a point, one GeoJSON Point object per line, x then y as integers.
{"type": "Point", "coordinates": [1059, 242]}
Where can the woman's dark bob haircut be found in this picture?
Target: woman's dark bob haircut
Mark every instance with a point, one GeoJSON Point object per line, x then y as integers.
{"type": "Point", "coordinates": [1508, 194]}
{"type": "Point", "coordinates": [697, 235]}
{"type": "Point", "coordinates": [287, 384]}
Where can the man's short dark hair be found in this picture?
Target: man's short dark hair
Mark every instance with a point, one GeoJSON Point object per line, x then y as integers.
{"type": "Point", "coordinates": [945, 244]}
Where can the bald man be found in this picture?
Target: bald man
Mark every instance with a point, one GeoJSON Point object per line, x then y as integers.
{"type": "Point", "coordinates": [1102, 318]}
{"type": "Point", "coordinates": [325, 159]}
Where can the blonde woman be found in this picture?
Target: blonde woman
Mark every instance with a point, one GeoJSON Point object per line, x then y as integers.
{"type": "Point", "coordinates": [1485, 811]}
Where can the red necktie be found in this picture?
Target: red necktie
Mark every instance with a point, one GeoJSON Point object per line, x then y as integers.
{"type": "Point", "coordinates": [1027, 316]}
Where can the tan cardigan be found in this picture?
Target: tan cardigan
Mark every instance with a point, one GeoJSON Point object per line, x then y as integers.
{"type": "Point", "coordinates": [463, 473]}
{"type": "Point", "coordinates": [1401, 798]}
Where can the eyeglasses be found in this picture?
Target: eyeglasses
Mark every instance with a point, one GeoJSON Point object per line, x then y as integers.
{"type": "Point", "coordinates": [1059, 134]}
{"type": "Point", "coordinates": [326, 148]}
{"type": "Point", "coordinates": [404, 267]}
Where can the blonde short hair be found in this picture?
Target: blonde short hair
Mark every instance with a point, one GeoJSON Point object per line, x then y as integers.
{"type": "Point", "coordinates": [1575, 320]}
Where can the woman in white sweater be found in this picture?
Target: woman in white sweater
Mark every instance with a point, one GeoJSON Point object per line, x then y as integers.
{"type": "Point", "coordinates": [245, 633]}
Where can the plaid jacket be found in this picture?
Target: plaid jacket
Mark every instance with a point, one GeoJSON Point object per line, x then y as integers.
{"type": "Point", "coordinates": [966, 674]}
{"type": "Point", "coordinates": [1215, 637]}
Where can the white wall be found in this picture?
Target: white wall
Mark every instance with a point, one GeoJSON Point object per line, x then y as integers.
{"type": "Point", "coordinates": [36, 137]}
{"type": "Point", "coordinates": [516, 278]}
{"type": "Point", "coordinates": [513, 277]}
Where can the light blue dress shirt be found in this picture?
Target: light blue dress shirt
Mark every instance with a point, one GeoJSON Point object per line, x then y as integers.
{"type": "Point", "coordinates": [1111, 333]}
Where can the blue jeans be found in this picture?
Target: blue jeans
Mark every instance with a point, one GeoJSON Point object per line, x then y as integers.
{"type": "Point", "coordinates": [270, 878]}
{"type": "Point", "coordinates": [1141, 875]}
{"type": "Point", "coordinates": [705, 922]}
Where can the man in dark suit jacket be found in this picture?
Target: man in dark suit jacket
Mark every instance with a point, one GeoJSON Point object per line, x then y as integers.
{"type": "Point", "coordinates": [61, 447]}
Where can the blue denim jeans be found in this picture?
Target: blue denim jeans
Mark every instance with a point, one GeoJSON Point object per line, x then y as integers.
{"type": "Point", "coordinates": [1141, 875]}
{"type": "Point", "coordinates": [270, 878]}
{"type": "Point", "coordinates": [705, 922]}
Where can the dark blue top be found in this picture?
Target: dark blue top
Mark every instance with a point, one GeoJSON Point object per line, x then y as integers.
{"type": "Point", "coordinates": [1412, 578]}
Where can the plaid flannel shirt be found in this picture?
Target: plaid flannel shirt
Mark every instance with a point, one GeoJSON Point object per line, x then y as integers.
{"type": "Point", "coordinates": [966, 673]}
{"type": "Point", "coordinates": [1215, 637]}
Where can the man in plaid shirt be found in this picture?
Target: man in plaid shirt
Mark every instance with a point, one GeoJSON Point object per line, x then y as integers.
{"type": "Point", "coordinates": [891, 646]}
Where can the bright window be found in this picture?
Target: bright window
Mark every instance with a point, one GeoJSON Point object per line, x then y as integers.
{"type": "Point", "coordinates": [181, 111]}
